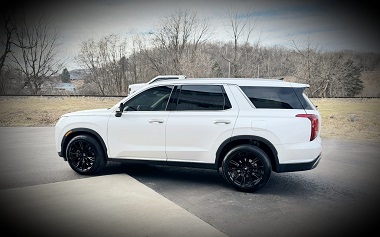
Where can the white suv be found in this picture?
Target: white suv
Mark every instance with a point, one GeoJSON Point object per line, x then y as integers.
{"type": "Point", "coordinates": [135, 87]}
{"type": "Point", "coordinates": [244, 128]}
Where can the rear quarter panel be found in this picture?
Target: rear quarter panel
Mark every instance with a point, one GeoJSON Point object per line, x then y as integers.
{"type": "Point", "coordinates": [277, 126]}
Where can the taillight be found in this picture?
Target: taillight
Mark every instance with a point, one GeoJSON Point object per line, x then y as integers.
{"type": "Point", "coordinates": [314, 124]}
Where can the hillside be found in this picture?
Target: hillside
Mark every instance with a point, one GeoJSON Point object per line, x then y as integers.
{"type": "Point", "coordinates": [371, 81]}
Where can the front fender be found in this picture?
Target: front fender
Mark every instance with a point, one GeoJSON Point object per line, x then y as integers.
{"type": "Point", "coordinates": [80, 131]}
{"type": "Point", "coordinates": [68, 127]}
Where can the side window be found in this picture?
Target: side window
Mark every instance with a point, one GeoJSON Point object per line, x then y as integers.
{"type": "Point", "coordinates": [272, 97]}
{"type": "Point", "coordinates": [153, 99]}
{"type": "Point", "coordinates": [201, 97]}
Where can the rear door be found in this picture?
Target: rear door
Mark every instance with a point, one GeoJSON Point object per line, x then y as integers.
{"type": "Point", "coordinates": [201, 118]}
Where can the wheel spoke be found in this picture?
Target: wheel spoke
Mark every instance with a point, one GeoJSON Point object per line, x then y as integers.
{"type": "Point", "coordinates": [242, 183]}
{"type": "Point", "coordinates": [256, 175]}
{"type": "Point", "coordinates": [78, 163]}
{"type": "Point", "coordinates": [254, 161]}
{"type": "Point", "coordinates": [235, 175]}
{"type": "Point", "coordinates": [235, 163]}
{"type": "Point", "coordinates": [76, 146]}
{"type": "Point", "coordinates": [81, 155]}
{"type": "Point", "coordinates": [245, 169]}
{"type": "Point", "coordinates": [73, 155]}
{"type": "Point", "coordinates": [92, 159]}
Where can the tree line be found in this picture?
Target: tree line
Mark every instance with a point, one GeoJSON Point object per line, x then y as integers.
{"type": "Point", "coordinates": [180, 45]}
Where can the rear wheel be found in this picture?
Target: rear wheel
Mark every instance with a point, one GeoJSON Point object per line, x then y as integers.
{"type": "Point", "coordinates": [247, 168]}
{"type": "Point", "coordinates": [85, 155]}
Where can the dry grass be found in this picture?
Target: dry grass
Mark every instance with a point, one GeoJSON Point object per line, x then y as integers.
{"type": "Point", "coordinates": [347, 119]}
{"type": "Point", "coordinates": [350, 119]}
{"type": "Point", "coordinates": [45, 111]}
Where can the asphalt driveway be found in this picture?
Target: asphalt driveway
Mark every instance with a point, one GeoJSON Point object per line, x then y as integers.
{"type": "Point", "coordinates": [339, 196]}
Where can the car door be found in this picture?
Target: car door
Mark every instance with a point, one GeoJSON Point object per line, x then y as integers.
{"type": "Point", "coordinates": [201, 118]}
{"type": "Point", "coordinates": [140, 132]}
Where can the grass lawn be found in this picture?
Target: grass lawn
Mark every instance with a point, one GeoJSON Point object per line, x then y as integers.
{"type": "Point", "coordinates": [350, 119]}
{"type": "Point", "coordinates": [43, 111]}
{"type": "Point", "coordinates": [346, 119]}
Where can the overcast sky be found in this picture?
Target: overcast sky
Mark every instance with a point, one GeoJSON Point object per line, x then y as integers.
{"type": "Point", "coordinates": [330, 24]}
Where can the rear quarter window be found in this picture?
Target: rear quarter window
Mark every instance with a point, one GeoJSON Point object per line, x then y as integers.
{"type": "Point", "coordinates": [276, 97]}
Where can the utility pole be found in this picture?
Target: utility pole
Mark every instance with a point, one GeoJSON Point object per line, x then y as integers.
{"type": "Point", "coordinates": [229, 69]}
{"type": "Point", "coordinates": [258, 70]}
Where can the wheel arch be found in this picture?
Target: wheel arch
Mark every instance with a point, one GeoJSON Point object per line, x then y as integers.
{"type": "Point", "coordinates": [81, 131]}
{"type": "Point", "coordinates": [260, 142]}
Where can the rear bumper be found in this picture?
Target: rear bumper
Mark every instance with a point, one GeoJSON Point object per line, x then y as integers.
{"type": "Point", "coordinates": [298, 166]}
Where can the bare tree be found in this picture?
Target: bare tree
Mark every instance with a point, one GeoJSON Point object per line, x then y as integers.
{"type": "Point", "coordinates": [89, 59]}
{"type": "Point", "coordinates": [7, 32]}
{"type": "Point", "coordinates": [36, 56]}
{"type": "Point", "coordinates": [240, 27]}
{"type": "Point", "coordinates": [136, 65]}
{"type": "Point", "coordinates": [178, 36]}
{"type": "Point", "coordinates": [106, 61]}
{"type": "Point", "coordinates": [330, 74]}
{"type": "Point", "coordinates": [308, 52]}
{"type": "Point", "coordinates": [197, 64]}
{"type": "Point", "coordinates": [8, 29]}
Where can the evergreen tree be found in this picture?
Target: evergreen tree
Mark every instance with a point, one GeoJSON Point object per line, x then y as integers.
{"type": "Point", "coordinates": [65, 76]}
{"type": "Point", "coordinates": [353, 85]}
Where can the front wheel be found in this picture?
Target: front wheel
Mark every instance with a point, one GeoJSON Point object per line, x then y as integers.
{"type": "Point", "coordinates": [247, 168]}
{"type": "Point", "coordinates": [85, 155]}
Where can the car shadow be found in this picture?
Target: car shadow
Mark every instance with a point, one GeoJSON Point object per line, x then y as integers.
{"type": "Point", "coordinates": [295, 184]}
{"type": "Point", "coordinates": [146, 173]}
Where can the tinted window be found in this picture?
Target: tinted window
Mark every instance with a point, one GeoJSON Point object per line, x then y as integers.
{"type": "Point", "coordinates": [300, 94]}
{"type": "Point", "coordinates": [154, 99]}
{"type": "Point", "coordinates": [202, 98]}
{"type": "Point", "coordinates": [273, 97]}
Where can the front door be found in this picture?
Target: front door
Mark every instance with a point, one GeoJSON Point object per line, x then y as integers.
{"type": "Point", "coordinates": [140, 132]}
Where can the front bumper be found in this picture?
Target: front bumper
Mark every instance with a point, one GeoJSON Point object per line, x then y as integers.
{"type": "Point", "coordinates": [61, 155]}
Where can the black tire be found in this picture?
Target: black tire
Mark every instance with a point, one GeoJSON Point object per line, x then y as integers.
{"type": "Point", "coordinates": [247, 168]}
{"type": "Point", "coordinates": [85, 155]}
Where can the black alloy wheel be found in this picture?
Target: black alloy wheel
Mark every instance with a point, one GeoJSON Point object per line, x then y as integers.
{"type": "Point", "coordinates": [85, 155]}
{"type": "Point", "coordinates": [246, 168]}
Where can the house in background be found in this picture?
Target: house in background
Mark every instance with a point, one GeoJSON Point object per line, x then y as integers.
{"type": "Point", "coordinates": [66, 87]}
{"type": "Point", "coordinates": [76, 81]}
{"type": "Point", "coordinates": [78, 74]}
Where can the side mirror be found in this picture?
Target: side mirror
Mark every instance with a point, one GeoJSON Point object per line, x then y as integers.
{"type": "Point", "coordinates": [120, 111]}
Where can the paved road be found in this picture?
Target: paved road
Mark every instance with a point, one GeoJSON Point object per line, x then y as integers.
{"type": "Point", "coordinates": [340, 196]}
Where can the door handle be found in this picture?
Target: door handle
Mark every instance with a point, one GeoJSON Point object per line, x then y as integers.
{"type": "Point", "coordinates": [156, 121]}
{"type": "Point", "coordinates": [222, 121]}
